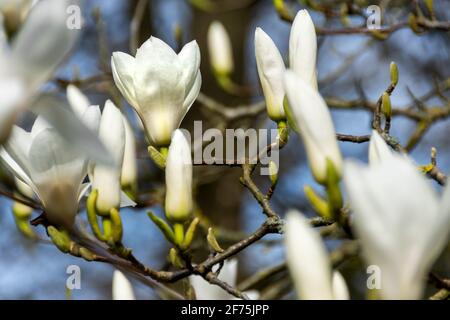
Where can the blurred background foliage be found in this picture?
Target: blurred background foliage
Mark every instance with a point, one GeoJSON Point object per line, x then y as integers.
{"type": "Point", "coordinates": [352, 66]}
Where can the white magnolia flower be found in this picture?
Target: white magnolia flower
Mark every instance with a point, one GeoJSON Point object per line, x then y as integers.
{"type": "Point", "coordinates": [313, 120]}
{"type": "Point", "coordinates": [106, 179]}
{"type": "Point", "coordinates": [378, 149]}
{"type": "Point", "coordinates": [50, 166]}
{"type": "Point", "coordinates": [159, 84]}
{"type": "Point", "coordinates": [228, 274]}
{"type": "Point", "coordinates": [401, 221]}
{"type": "Point", "coordinates": [129, 167]}
{"type": "Point", "coordinates": [121, 287]}
{"type": "Point", "coordinates": [40, 45]}
{"type": "Point", "coordinates": [270, 70]}
{"type": "Point", "coordinates": [309, 264]}
{"type": "Point", "coordinates": [220, 49]}
{"type": "Point", "coordinates": [303, 48]}
{"type": "Point", "coordinates": [179, 202]}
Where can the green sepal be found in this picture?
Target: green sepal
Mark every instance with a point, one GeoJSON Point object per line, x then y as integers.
{"type": "Point", "coordinates": [163, 226]}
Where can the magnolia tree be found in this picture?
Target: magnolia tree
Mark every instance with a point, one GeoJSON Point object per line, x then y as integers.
{"type": "Point", "coordinates": [73, 169]}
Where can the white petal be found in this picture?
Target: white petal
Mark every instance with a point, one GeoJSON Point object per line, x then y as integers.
{"type": "Point", "coordinates": [397, 217]}
{"type": "Point", "coordinates": [129, 167]}
{"type": "Point", "coordinates": [57, 172]}
{"type": "Point", "coordinates": [12, 92]}
{"type": "Point", "coordinates": [270, 70]}
{"type": "Point", "coordinates": [43, 41]}
{"type": "Point", "coordinates": [206, 291]}
{"type": "Point", "coordinates": [125, 201]}
{"type": "Point", "coordinates": [303, 48]}
{"type": "Point", "coordinates": [313, 119]}
{"type": "Point", "coordinates": [78, 133]}
{"type": "Point", "coordinates": [189, 58]}
{"type": "Point", "coordinates": [77, 100]}
{"type": "Point", "coordinates": [192, 95]}
{"type": "Point", "coordinates": [18, 146]}
{"type": "Point", "coordinates": [307, 259]}
{"type": "Point", "coordinates": [121, 287]}
{"type": "Point", "coordinates": [123, 68]}
{"type": "Point", "coordinates": [340, 289]}
{"type": "Point", "coordinates": [106, 179]}
{"type": "Point", "coordinates": [378, 149]}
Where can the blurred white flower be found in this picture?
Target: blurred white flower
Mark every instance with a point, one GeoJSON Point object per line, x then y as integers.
{"type": "Point", "coordinates": [39, 47]}
{"type": "Point", "coordinates": [178, 203]}
{"type": "Point", "coordinates": [106, 179]}
{"type": "Point", "coordinates": [159, 84]}
{"type": "Point", "coordinates": [313, 120]}
{"type": "Point", "coordinates": [220, 49]}
{"type": "Point", "coordinates": [129, 167]}
{"type": "Point", "coordinates": [303, 48]}
{"type": "Point", "coordinates": [270, 70]}
{"type": "Point", "coordinates": [309, 264]}
{"type": "Point", "coordinates": [50, 166]}
{"type": "Point", "coordinates": [14, 12]}
{"type": "Point", "coordinates": [121, 287]}
{"type": "Point", "coordinates": [228, 274]}
{"type": "Point", "coordinates": [378, 149]}
{"type": "Point", "coordinates": [401, 221]}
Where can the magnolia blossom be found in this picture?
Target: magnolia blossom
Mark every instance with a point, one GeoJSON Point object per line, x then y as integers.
{"type": "Point", "coordinates": [303, 48]}
{"type": "Point", "coordinates": [129, 167]}
{"type": "Point", "coordinates": [159, 84]}
{"type": "Point", "coordinates": [50, 166]}
{"type": "Point", "coordinates": [228, 274]}
{"type": "Point", "coordinates": [401, 221]}
{"type": "Point", "coordinates": [179, 202]}
{"type": "Point", "coordinates": [302, 60]}
{"type": "Point", "coordinates": [121, 287]}
{"type": "Point", "coordinates": [220, 49]}
{"type": "Point", "coordinates": [106, 179]}
{"type": "Point", "coordinates": [378, 149]}
{"type": "Point", "coordinates": [313, 120]}
{"type": "Point", "coordinates": [309, 264]}
{"type": "Point", "coordinates": [41, 43]}
{"type": "Point", "coordinates": [270, 70]}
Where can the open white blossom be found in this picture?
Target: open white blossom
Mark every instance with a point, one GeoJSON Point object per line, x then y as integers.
{"type": "Point", "coordinates": [309, 264]}
{"type": "Point", "coordinates": [401, 221]}
{"type": "Point", "coordinates": [220, 49]}
{"type": "Point", "coordinates": [228, 274]}
{"type": "Point", "coordinates": [179, 204]}
{"type": "Point", "coordinates": [121, 287]}
{"type": "Point", "coordinates": [106, 179]}
{"type": "Point", "coordinates": [159, 84]}
{"type": "Point", "coordinates": [50, 166]}
{"type": "Point", "coordinates": [313, 120]}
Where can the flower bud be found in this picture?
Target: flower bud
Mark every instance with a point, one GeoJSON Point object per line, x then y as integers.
{"type": "Point", "coordinates": [179, 204]}
{"type": "Point", "coordinates": [106, 179]}
{"type": "Point", "coordinates": [220, 49]}
{"type": "Point", "coordinates": [270, 70]}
